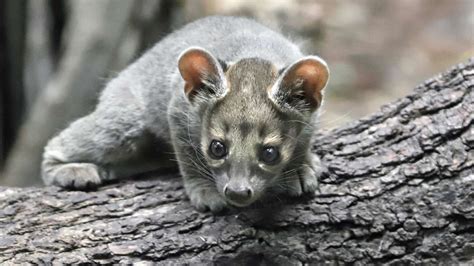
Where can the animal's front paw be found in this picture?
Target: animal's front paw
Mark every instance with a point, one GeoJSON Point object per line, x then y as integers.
{"type": "Point", "coordinates": [305, 179]}
{"type": "Point", "coordinates": [206, 199]}
{"type": "Point", "coordinates": [74, 175]}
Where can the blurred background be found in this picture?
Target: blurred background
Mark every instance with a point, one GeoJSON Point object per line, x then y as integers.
{"type": "Point", "coordinates": [56, 55]}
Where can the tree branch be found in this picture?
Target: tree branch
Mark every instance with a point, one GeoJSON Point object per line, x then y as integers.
{"type": "Point", "coordinates": [400, 189]}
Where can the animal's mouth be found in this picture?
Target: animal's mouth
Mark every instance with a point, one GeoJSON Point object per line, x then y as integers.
{"type": "Point", "coordinates": [240, 204]}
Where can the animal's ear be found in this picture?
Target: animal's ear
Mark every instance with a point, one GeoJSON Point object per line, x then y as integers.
{"type": "Point", "coordinates": [202, 74]}
{"type": "Point", "coordinates": [300, 86]}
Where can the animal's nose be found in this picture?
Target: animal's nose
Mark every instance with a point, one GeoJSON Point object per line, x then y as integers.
{"type": "Point", "coordinates": [238, 194]}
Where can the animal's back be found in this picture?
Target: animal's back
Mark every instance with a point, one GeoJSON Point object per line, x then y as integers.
{"type": "Point", "coordinates": [228, 38]}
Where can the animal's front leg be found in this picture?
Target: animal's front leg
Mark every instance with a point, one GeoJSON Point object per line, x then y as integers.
{"type": "Point", "coordinates": [304, 178]}
{"type": "Point", "coordinates": [203, 194]}
{"type": "Point", "coordinates": [197, 178]}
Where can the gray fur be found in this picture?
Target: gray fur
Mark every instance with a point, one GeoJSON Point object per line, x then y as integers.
{"type": "Point", "coordinates": [146, 104]}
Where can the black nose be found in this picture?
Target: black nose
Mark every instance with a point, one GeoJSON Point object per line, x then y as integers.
{"type": "Point", "coordinates": [240, 194]}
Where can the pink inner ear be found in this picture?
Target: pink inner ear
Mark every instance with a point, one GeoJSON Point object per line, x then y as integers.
{"type": "Point", "coordinates": [313, 75]}
{"type": "Point", "coordinates": [193, 66]}
{"type": "Point", "coordinates": [314, 80]}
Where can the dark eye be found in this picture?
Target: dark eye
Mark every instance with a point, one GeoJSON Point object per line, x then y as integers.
{"type": "Point", "coordinates": [217, 149]}
{"type": "Point", "coordinates": [270, 155]}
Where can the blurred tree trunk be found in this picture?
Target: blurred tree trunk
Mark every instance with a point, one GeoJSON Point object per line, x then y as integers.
{"type": "Point", "coordinates": [39, 63]}
{"type": "Point", "coordinates": [12, 44]}
{"type": "Point", "coordinates": [399, 191]}
{"type": "Point", "coordinates": [100, 37]}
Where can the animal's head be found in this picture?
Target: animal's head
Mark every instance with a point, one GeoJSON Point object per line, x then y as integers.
{"type": "Point", "coordinates": [252, 116]}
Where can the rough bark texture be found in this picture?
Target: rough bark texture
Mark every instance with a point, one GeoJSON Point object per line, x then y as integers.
{"type": "Point", "coordinates": [400, 189]}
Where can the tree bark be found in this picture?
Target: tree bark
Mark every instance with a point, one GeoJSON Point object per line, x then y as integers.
{"type": "Point", "coordinates": [399, 189]}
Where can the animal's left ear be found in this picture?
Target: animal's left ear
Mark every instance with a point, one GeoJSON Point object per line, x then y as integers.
{"type": "Point", "coordinates": [301, 85]}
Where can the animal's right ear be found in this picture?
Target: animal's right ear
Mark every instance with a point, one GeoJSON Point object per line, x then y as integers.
{"type": "Point", "coordinates": [202, 74]}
